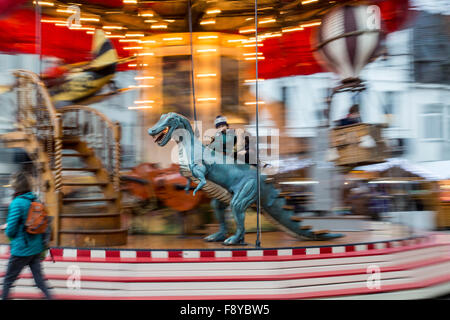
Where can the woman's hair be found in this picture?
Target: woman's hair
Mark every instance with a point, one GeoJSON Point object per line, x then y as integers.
{"type": "Point", "coordinates": [20, 183]}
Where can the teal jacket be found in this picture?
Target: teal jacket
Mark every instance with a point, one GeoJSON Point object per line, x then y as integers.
{"type": "Point", "coordinates": [22, 243]}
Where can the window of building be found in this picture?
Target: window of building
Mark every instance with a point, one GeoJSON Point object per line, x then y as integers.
{"type": "Point", "coordinates": [432, 122]}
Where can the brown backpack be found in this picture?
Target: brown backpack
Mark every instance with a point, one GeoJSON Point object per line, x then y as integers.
{"type": "Point", "coordinates": [37, 220]}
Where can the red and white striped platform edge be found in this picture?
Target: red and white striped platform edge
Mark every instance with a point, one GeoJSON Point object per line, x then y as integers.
{"type": "Point", "coordinates": [401, 269]}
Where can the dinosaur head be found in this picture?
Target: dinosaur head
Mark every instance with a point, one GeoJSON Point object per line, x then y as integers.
{"type": "Point", "coordinates": [163, 130]}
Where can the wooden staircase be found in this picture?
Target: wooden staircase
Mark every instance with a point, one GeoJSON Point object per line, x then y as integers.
{"type": "Point", "coordinates": [76, 156]}
{"type": "Point", "coordinates": [85, 185]}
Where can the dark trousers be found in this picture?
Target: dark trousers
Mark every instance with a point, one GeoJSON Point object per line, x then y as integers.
{"type": "Point", "coordinates": [15, 266]}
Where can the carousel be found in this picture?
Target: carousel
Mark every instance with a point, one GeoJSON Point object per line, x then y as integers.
{"type": "Point", "coordinates": [176, 226]}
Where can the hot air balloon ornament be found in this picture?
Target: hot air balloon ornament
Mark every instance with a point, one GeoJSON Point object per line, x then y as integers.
{"type": "Point", "coordinates": [350, 37]}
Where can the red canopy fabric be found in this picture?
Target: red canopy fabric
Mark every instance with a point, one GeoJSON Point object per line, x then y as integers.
{"type": "Point", "coordinates": [291, 54]}
{"type": "Point", "coordinates": [19, 36]}
{"type": "Point", "coordinates": [288, 55]}
{"type": "Point", "coordinates": [8, 6]}
{"type": "Point", "coordinates": [394, 14]}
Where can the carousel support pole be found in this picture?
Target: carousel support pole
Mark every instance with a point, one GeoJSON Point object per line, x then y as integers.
{"type": "Point", "coordinates": [353, 85]}
{"type": "Point", "coordinates": [323, 197]}
{"type": "Point", "coordinates": [334, 176]}
{"type": "Point", "coordinates": [58, 174]}
{"type": "Point", "coordinates": [258, 164]}
{"type": "Point", "coordinates": [116, 169]}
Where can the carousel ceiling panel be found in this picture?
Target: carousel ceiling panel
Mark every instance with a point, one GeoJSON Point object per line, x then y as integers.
{"type": "Point", "coordinates": [223, 16]}
{"type": "Point", "coordinates": [227, 15]}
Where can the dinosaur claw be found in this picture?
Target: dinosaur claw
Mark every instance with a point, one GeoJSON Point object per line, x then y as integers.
{"type": "Point", "coordinates": [234, 240]}
{"type": "Point", "coordinates": [195, 191]}
{"type": "Point", "coordinates": [216, 237]}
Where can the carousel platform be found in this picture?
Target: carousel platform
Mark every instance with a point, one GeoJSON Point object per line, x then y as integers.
{"type": "Point", "coordinates": [388, 262]}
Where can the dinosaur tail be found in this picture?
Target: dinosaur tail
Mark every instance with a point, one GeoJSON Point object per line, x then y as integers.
{"type": "Point", "coordinates": [283, 216]}
{"type": "Point", "coordinates": [274, 207]}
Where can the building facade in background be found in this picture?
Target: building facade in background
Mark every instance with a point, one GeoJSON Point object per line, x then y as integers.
{"type": "Point", "coordinates": [409, 89]}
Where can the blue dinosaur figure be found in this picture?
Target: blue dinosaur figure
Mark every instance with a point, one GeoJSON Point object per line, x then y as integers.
{"type": "Point", "coordinates": [228, 183]}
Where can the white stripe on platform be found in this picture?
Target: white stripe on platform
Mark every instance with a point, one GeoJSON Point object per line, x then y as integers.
{"type": "Point", "coordinates": [160, 254]}
{"type": "Point", "coordinates": [223, 254]}
{"type": "Point", "coordinates": [70, 253]}
{"type": "Point", "coordinates": [340, 249]}
{"type": "Point", "coordinates": [312, 250]}
{"type": "Point", "coordinates": [285, 252]}
{"type": "Point", "coordinates": [98, 254]}
{"type": "Point", "coordinates": [396, 244]}
{"type": "Point", "coordinates": [380, 245]}
{"type": "Point", "coordinates": [191, 254]}
{"type": "Point", "coordinates": [361, 247]}
{"type": "Point", "coordinates": [232, 265]}
{"type": "Point", "coordinates": [255, 253]}
{"type": "Point", "coordinates": [128, 254]}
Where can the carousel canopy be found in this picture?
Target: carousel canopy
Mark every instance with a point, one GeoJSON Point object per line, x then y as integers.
{"type": "Point", "coordinates": [286, 27]}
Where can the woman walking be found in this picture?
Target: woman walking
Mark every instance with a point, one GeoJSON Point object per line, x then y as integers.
{"type": "Point", "coordinates": [26, 248]}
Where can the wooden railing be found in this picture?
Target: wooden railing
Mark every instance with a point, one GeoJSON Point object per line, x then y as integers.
{"type": "Point", "coordinates": [36, 115]}
{"type": "Point", "coordinates": [100, 133]}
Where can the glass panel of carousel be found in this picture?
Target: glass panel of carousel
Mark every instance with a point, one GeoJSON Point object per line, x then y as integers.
{"type": "Point", "coordinates": [276, 114]}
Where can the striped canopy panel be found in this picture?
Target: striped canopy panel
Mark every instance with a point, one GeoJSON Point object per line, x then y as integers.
{"type": "Point", "coordinates": [349, 38]}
